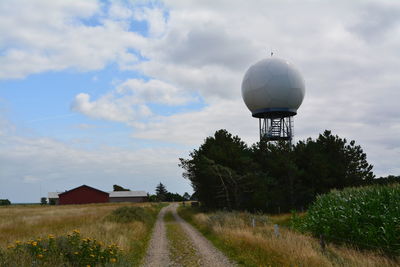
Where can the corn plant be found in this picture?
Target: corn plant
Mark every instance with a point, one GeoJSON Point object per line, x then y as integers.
{"type": "Point", "coordinates": [368, 217]}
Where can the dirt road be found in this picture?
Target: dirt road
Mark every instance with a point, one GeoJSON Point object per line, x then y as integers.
{"type": "Point", "coordinates": [158, 253]}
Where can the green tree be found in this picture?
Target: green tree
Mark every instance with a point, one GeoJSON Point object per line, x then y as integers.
{"type": "Point", "coordinates": [43, 201]}
{"type": "Point", "coordinates": [391, 179]}
{"type": "Point", "coordinates": [161, 192]}
{"type": "Point", "coordinates": [272, 176]}
{"type": "Point", "coordinates": [186, 196]}
{"type": "Point", "coordinates": [330, 162]}
{"type": "Point", "coordinates": [119, 188]}
{"type": "Point", "coordinates": [276, 186]}
{"type": "Point", "coordinates": [5, 202]}
{"type": "Point", "coordinates": [217, 171]}
{"type": "Point", "coordinates": [173, 197]}
{"type": "Point", "coordinates": [152, 198]}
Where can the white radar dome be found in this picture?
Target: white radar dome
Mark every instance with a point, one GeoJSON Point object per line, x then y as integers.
{"type": "Point", "coordinates": [273, 87]}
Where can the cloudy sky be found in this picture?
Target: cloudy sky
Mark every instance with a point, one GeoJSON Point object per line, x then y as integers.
{"type": "Point", "coordinates": [103, 93]}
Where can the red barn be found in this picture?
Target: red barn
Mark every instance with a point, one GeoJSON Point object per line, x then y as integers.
{"type": "Point", "coordinates": [83, 195]}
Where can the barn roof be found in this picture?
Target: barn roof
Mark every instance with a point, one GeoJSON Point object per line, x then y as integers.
{"type": "Point", "coordinates": [53, 194]}
{"type": "Point", "coordinates": [128, 194]}
{"type": "Point", "coordinates": [81, 187]}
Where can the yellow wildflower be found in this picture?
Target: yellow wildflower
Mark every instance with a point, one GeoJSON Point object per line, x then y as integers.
{"type": "Point", "coordinates": [91, 255]}
{"type": "Point", "coordinates": [18, 242]}
{"type": "Point", "coordinates": [40, 256]}
{"type": "Point", "coordinates": [88, 265]}
{"type": "Point", "coordinates": [76, 252]}
{"type": "Point", "coordinates": [76, 231]}
{"type": "Point", "coordinates": [50, 236]}
{"type": "Point", "coordinates": [34, 243]}
{"type": "Point", "coordinates": [113, 260]}
{"type": "Point", "coordinates": [10, 247]}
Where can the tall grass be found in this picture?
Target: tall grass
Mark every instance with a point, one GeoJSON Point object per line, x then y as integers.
{"type": "Point", "coordinates": [234, 234]}
{"type": "Point", "coordinates": [31, 222]}
{"type": "Point", "coordinates": [368, 217]}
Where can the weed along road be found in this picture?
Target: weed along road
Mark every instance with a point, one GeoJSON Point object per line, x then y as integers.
{"type": "Point", "coordinates": [176, 243]}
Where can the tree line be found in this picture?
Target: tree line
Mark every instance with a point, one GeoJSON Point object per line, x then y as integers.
{"type": "Point", "coordinates": [162, 194]}
{"type": "Point", "coordinates": [226, 173]}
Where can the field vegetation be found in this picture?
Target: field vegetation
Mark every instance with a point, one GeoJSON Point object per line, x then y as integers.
{"type": "Point", "coordinates": [366, 216]}
{"type": "Point", "coordinates": [255, 242]}
{"type": "Point", "coordinates": [181, 249]}
{"type": "Point", "coordinates": [26, 231]}
{"type": "Point", "coordinates": [226, 173]}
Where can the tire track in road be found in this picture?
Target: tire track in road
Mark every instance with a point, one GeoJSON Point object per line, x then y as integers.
{"type": "Point", "coordinates": [210, 256]}
{"type": "Point", "coordinates": [157, 253]}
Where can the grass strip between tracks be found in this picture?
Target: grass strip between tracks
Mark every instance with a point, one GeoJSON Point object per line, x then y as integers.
{"type": "Point", "coordinates": [181, 250]}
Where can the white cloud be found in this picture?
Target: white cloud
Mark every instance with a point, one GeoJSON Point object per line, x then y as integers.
{"type": "Point", "coordinates": [192, 128]}
{"type": "Point", "coordinates": [50, 35]}
{"type": "Point", "coordinates": [110, 108]}
{"type": "Point", "coordinates": [118, 10]}
{"type": "Point", "coordinates": [56, 165]}
{"type": "Point", "coordinates": [205, 49]}
{"type": "Point", "coordinates": [155, 19]}
{"type": "Point", "coordinates": [347, 52]}
{"type": "Point", "coordinates": [128, 102]}
{"type": "Point", "coordinates": [154, 91]}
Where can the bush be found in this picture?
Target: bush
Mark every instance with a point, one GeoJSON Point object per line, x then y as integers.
{"type": "Point", "coordinates": [130, 214]}
{"type": "Point", "coordinates": [5, 202]}
{"type": "Point", "coordinates": [43, 201]}
{"type": "Point", "coordinates": [368, 217]}
{"type": "Point", "coordinates": [70, 250]}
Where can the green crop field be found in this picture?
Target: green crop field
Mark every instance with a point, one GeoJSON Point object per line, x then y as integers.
{"type": "Point", "coordinates": [368, 217]}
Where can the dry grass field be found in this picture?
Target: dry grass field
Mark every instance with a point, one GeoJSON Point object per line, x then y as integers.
{"type": "Point", "coordinates": [234, 234]}
{"type": "Point", "coordinates": [23, 223]}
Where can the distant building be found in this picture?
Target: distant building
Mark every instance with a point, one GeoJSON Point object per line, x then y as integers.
{"type": "Point", "coordinates": [53, 198]}
{"type": "Point", "coordinates": [128, 196]}
{"type": "Point", "coordinates": [85, 195]}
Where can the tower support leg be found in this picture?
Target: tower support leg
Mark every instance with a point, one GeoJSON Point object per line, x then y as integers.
{"type": "Point", "coordinates": [276, 129]}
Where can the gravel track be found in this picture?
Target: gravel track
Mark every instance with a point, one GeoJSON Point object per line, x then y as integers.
{"type": "Point", "coordinates": [157, 253]}
{"type": "Point", "coordinates": [210, 256]}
